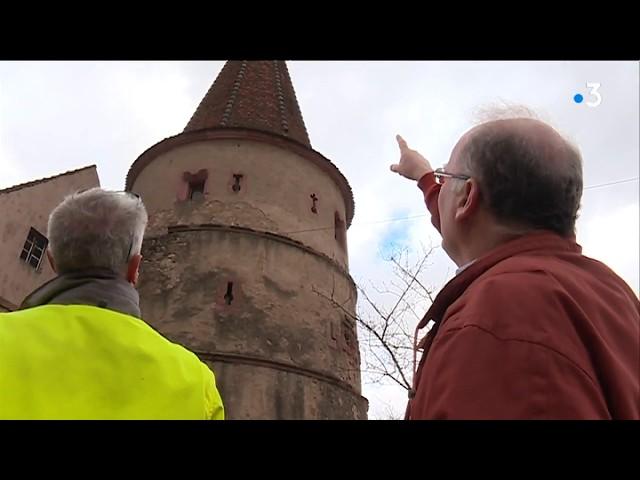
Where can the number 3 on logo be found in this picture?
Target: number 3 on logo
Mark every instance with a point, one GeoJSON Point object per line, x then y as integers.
{"type": "Point", "coordinates": [594, 91]}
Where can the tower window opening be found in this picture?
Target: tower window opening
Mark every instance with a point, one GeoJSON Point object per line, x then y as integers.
{"type": "Point", "coordinates": [236, 186]}
{"type": "Point", "coordinates": [339, 231]}
{"type": "Point", "coordinates": [193, 185]}
{"type": "Point", "coordinates": [348, 333]}
{"type": "Point", "coordinates": [228, 297]}
{"type": "Point", "coordinates": [196, 190]}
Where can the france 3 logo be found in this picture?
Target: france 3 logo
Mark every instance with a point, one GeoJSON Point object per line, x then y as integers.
{"type": "Point", "coordinates": [594, 86]}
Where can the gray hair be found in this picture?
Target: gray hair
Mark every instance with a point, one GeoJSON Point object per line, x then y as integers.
{"type": "Point", "coordinates": [528, 181]}
{"type": "Point", "coordinates": [503, 110]}
{"type": "Point", "coordinates": [96, 228]}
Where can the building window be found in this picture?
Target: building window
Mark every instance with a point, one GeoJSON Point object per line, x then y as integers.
{"type": "Point", "coordinates": [196, 189]}
{"type": "Point", "coordinates": [34, 248]}
{"type": "Point", "coordinates": [193, 185]}
{"type": "Point", "coordinates": [228, 297]}
{"type": "Point", "coordinates": [236, 185]}
{"type": "Point", "coordinates": [348, 334]}
{"type": "Point", "coordinates": [340, 233]}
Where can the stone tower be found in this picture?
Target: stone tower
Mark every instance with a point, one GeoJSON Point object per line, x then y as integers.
{"type": "Point", "coordinates": [245, 256]}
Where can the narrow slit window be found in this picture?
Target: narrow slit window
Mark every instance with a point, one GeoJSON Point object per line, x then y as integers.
{"type": "Point", "coordinates": [348, 333]}
{"type": "Point", "coordinates": [236, 179]}
{"type": "Point", "coordinates": [339, 231]}
{"type": "Point", "coordinates": [228, 297]}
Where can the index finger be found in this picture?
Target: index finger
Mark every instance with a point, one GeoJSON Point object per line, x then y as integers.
{"type": "Point", "coordinates": [402, 143]}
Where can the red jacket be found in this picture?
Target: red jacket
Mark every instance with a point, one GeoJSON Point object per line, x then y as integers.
{"type": "Point", "coordinates": [531, 330]}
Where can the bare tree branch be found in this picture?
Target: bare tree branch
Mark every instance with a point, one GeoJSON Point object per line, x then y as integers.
{"type": "Point", "coordinates": [404, 382]}
{"type": "Point", "coordinates": [386, 316]}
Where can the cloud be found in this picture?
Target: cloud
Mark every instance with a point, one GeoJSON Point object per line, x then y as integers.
{"type": "Point", "coordinates": [613, 237]}
{"type": "Point", "coordinates": [55, 116]}
{"type": "Point", "coordinates": [10, 171]}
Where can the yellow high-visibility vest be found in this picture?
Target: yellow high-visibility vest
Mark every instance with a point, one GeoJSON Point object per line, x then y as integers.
{"type": "Point", "coordinates": [84, 362]}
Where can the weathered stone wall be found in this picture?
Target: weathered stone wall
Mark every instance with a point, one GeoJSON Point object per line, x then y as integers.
{"type": "Point", "coordinates": [252, 305]}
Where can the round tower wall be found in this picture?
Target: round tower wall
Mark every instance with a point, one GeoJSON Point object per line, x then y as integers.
{"type": "Point", "coordinates": [264, 312]}
{"type": "Point", "coordinates": [278, 191]}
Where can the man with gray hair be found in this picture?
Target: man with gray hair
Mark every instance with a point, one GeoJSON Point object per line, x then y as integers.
{"type": "Point", "coordinates": [529, 328]}
{"type": "Point", "coordinates": [77, 348]}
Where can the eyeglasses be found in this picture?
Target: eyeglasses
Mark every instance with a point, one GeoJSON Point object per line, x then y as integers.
{"type": "Point", "coordinates": [441, 176]}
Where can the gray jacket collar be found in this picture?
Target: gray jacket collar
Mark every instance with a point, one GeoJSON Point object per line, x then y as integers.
{"type": "Point", "coordinates": [97, 287]}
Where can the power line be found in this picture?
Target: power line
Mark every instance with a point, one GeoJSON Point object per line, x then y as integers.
{"type": "Point", "coordinates": [612, 183]}
{"type": "Point", "coordinates": [626, 180]}
{"type": "Point", "coordinates": [362, 223]}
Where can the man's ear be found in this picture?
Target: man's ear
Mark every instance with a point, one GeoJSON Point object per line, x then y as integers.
{"type": "Point", "coordinates": [468, 201]}
{"type": "Point", "coordinates": [51, 261]}
{"type": "Point", "coordinates": [133, 269]}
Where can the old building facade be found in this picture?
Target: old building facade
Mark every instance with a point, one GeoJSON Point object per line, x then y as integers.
{"type": "Point", "coordinates": [24, 213]}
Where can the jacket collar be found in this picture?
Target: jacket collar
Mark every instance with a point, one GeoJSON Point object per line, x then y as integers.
{"type": "Point", "coordinates": [541, 240]}
{"type": "Point", "coordinates": [97, 287]}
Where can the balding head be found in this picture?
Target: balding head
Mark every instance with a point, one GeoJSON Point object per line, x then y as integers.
{"type": "Point", "coordinates": [529, 175]}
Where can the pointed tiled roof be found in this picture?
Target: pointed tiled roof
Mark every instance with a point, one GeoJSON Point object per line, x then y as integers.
{"type": "Point", "coordinates": [252, 94]}
{"type": "Point", "coordinates": [249, 100]}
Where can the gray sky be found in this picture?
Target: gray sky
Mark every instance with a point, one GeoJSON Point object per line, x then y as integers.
{"type": "Point", "coordinates": [58, 116]}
